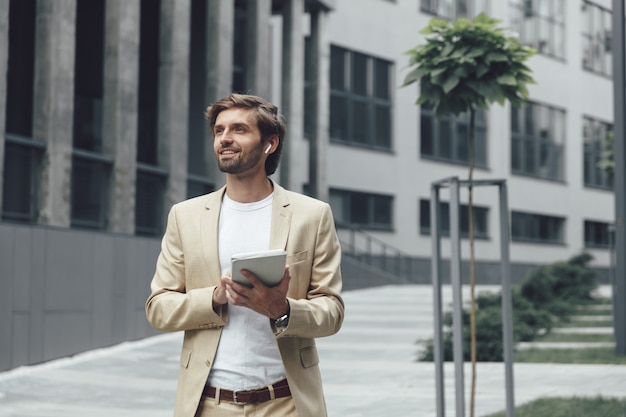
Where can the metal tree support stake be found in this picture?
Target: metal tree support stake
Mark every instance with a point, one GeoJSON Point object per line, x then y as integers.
{"type": "Point", "coordinates": [454, 184]}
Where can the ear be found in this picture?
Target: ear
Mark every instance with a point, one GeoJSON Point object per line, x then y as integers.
{"type": "Point", "coordinates": [272, 144]}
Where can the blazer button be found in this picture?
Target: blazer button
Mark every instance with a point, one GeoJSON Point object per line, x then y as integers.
{"type": "Point", "coordinates": [208, 363]}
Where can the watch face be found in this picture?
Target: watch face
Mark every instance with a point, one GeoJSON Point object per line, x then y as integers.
{"type": "Point", "coordinates": [282, 321]}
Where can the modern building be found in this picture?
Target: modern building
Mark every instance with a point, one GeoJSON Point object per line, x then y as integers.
{"type": "Point", "coordinates": [101, 109]}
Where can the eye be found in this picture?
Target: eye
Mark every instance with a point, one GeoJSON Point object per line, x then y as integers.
{"type": "Point", "coordinates": [218, 130]}
{"type": "Point", "coordinates": [240, 129]}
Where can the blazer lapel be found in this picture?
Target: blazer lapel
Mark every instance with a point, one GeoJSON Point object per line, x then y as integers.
{"type": "Point", "coordinates": [210, 234]}
{"type": "Point", "coordinates": [281, 219]}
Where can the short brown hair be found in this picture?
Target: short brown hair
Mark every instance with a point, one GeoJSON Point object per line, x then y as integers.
{"type": "Point", "coordinates": [269, 121]}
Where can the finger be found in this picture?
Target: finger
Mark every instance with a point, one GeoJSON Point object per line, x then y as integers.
{"type": "Point", "coordinates": [251, 277]}
{"type": "Point", "coordinates": [284, 283]}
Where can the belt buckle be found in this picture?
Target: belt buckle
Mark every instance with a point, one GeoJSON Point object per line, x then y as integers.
{"type": "Point", "coordinates": [236, 401]}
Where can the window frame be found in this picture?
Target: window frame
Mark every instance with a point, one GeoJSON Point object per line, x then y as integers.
{"type": "Point", "coordinates": [592, 154]}
{"type": "Point", "coordinates": [36, 149]}
{"type": "Point", "coordinates": [529, 21]}
{"type": "Point", "coordinates": [159, 175]}
{"type": "Point", "coordinates": [346, 99]}
{"type": "Point", "coordinates": [457, 143]}
{"type": "Point", "coordinates": [535, 223]}
{"type": "Point", "coordinates": [480, 212]}
{"type": "Point", "coordinates": [598, 58]}
{"type": "Point", "coordinates": [532, 145]}
{"type": "Point", "coordinates": [590, 227]}
{"type": "Point", "coordinates": [105, 164]}
{"type": "Point", "coordinates": [343, 217]}
{"type": "Point", "coordinates": [434, 8]}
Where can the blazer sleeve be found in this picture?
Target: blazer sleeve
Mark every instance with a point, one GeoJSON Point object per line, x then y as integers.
{"type": "Point", "coordinates": [170, 306]}
{"type": "Point", "coordinates": [321, 313]}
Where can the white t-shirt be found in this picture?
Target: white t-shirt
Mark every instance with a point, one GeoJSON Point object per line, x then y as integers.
{"type": "Point", "coordinates": [247, 355]}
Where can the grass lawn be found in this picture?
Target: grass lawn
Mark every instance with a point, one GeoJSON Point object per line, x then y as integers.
{"type": "Point", "coordinates": [576, 406]}
{"type": "Point", "coordinates": [585, 323]}
{"type": "Point", "coordinates": [590, 355]}
{"type": "Point", "coordinates": [570, 407]}
{"type": "Point", "coordinates": [575, 337]}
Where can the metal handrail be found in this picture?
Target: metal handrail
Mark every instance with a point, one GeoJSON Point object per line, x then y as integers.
{"type": "Point", "coordinates": [374, 252]}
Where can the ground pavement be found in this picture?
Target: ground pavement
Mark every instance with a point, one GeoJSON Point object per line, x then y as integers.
{"type": "Point", "coordinates": [369, 369]}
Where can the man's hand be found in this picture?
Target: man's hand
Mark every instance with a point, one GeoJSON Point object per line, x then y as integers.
{"type": "Point", "coordinates": [268, 301]}
{"type": "Point", "coordinates": [219, 295]}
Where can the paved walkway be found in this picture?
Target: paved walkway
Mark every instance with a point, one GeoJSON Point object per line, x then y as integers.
{"type": "Point", "coordinates": [369, 369]}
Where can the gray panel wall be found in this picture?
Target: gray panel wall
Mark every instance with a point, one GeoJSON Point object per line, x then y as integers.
{"type": "Point", "coordinates": [65, 291]}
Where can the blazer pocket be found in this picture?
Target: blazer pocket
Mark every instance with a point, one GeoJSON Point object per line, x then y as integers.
{"type": "Point", "coordinates": [308, 356]}
{"type": "Point", "coordinates": [185, 356]}
{"type": "Point", "coordinates": [297, 257]}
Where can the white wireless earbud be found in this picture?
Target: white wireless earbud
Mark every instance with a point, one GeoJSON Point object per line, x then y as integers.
{"type": "Point", "coordinates": [268, 148]}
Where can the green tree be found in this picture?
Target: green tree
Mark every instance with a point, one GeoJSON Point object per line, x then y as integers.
{"type": "Point", "coordinates": [465, 65]}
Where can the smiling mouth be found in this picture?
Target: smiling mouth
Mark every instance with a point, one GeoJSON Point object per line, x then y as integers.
{"type": "Point", "coordinates": [227, 152]}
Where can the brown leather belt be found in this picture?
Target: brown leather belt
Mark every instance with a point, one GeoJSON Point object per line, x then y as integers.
{"type": "Point", "coordinates": [280, 388]}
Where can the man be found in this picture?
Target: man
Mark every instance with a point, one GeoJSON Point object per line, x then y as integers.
{"type": "Point", "coordinates": [248, 351]}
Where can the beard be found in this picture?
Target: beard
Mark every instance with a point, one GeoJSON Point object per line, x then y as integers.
{"type": "Point", "coordinates": [241, 164]}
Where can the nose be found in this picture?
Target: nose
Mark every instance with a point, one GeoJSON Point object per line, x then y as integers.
{"type": "Point", "coordinates": [224, 137]}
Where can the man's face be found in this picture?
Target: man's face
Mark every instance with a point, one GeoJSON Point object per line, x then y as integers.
{"type": "Point", "coordinates": [237, 142]}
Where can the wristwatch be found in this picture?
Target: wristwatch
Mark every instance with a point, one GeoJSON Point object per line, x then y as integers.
{"type": "Point", "coordinates": [282, 322]}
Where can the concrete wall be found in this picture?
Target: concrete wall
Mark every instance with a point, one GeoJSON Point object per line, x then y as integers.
{"type": "Point", "coordinates": [65, 291]}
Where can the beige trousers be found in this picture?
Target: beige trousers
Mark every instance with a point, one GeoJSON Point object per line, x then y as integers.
{"type": "Point", "coordinates": [280, 407]}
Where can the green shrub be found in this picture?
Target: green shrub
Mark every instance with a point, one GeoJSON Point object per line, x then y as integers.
{"type": "Point", "coordinates": [549, 294]}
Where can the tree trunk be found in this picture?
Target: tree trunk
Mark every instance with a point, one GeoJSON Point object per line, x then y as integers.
{"type": "Point", "coordinates": [470, 207]}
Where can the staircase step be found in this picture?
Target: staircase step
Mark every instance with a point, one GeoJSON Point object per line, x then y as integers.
{"type": "Point", "coordinates": [564, 345]}
{"type": "Point", "coordinates": [583, 330]}
{"type": "Point", "coordinates": [592, 318]}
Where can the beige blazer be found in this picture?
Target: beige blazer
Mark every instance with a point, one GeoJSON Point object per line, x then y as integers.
{"type": "Point", "coordinates": [188, 271]}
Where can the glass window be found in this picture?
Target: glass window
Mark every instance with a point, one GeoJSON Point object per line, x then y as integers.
{"type": "Point", "coordinates": [595, 137]}
{"type": "Point", "coordinates": [148, 95]}
{"type": "Point", "coordinates": [596, 38]}
{"type": "Point", "coordinates": [22, 162]}
{"type": "Point", "coordinates": [359, 73]}
{"type": "Point", "coordinates": [90, 184]}
{"type": "Point", "coordinates": [22, 153]}
{"type": "Point", "coordinates": [366, 210]}
{"type": "Point", "coordinates": [199, 149]}
{"type": "Point", "coordinates": [454, 9]}
{"type": "Point", "coordinates": [91, 168]}
{"type": "Point", "coordinates": [537, 137]}
{"type": "Point", "coordinates": [360, 99]}
{"type": "Point", "coordinates": [447, 138]}
{"type": "Point", "coordinates": [598, 234]}
{"type": "Point", "coordinates": [151, 177]}
{"type": "Point", "coordinates": [480, 219]}
{"type": "Point", "coordinates": [527, 227]}
{"type": "Point", "coordinates": [540, 24]}
{"type": "Point", "coordinates": [89, 76]}
{"type": "Point", "coordinates": [240, 47]}
{"type": "Point", "coordinates": [149, 203]}
{"type": "Point", "coordinates": [21, 68]}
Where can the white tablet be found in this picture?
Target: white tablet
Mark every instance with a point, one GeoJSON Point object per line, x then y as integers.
{"type": "Point", "coordinates": [268, 266]}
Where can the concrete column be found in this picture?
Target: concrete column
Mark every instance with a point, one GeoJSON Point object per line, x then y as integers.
{"type": "Point", "coordinates": [219, 40]}
{"type": "Point", "coordinates": [320, 45]}
{"type": "Point", "coordinates": [174, 97]}
{"type": "Point", "coordinates": [4, 51]}
{"type": "Point", "coordinates": [121, 87]}
{"type": "Point", "coordinates": [292, 93]}
{"type": "Point", "coordinates": [259, 62]}
{"type": "Point", "coordinates": [219, 63]}
{"type": "Point", "coordinates": [619, 154]}
{"type": "Point", "coordinates": [53, 105]}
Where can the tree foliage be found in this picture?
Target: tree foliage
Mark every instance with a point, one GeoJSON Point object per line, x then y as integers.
{"type": "Point", "coordinates": [550, 294]}
{"type": "Point", "coordinates": [466, 64]}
